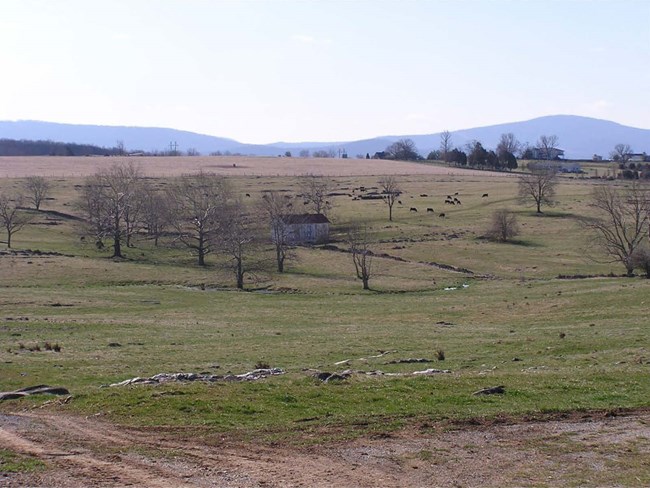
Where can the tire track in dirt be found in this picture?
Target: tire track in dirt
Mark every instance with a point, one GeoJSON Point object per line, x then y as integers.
{"type": "Point", "coordinates": [81, 463]}
{"type": "Point", "coordinates": [550, 451]}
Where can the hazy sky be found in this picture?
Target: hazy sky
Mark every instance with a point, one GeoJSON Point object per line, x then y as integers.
{"type": "Point", "coordinates": [265, 71]}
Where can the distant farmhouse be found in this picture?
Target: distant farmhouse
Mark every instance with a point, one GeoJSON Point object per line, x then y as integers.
{"type": "Point", "coordinates": [307, 228]}
{"type": "Point", "coordinates": [636, 157]}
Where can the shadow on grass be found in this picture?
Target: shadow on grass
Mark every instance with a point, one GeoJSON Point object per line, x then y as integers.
{"type": "Point", "coordinates": [552, 214]}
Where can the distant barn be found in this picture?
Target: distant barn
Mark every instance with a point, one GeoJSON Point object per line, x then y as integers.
{"type": "Point", "coordinates": [307, 228]}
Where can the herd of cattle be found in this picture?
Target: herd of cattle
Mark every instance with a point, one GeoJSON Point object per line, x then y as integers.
{"type": "Point", "coordinates": [372, 193]}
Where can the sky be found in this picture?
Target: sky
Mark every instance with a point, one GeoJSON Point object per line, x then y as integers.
{"type": "Point", "coordinates": [283, 70]}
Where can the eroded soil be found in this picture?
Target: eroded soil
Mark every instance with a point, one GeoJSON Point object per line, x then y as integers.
{"type": "Point", "coordinates": [594, 449]}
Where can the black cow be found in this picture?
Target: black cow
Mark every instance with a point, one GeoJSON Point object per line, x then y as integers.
{"type": "Point", "coordinates": [413, 209]}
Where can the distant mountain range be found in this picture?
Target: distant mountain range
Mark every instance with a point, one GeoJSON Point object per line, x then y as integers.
{"type": "Point", "coordinates": [580, 137]}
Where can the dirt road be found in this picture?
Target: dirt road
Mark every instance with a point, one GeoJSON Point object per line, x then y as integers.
{"type": "Point", "coordinates": [580, 449]}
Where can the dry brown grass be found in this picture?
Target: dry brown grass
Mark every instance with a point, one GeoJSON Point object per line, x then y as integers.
{"type": "Point", "coordinates": [54, 166]}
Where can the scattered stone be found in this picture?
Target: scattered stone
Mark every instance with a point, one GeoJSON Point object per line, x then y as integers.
{"type": "Point", "coordinates": [409, 360]}
{"type": "Point", "coordinates": [493, 390]}
{"type": "Point", "coordinates": [328, 377]}
{"type": "Point", "coordinates": [431, 371]}
{"type": "Point", "coordinates": [516, 359]}
{"type": "Point", "coordinates": [256, 374]}
{"type": "Point", "coordinates": [33, 390]}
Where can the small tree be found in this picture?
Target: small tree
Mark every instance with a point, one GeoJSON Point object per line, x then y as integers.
{"type": "Point", "coordinates": [362, 257]}
{"type": "Point", "coordinates": [641, 259]}
{"type": "Point", "coordinates": [508, 160]}
{"type": "Point", "coordinates": [403, 150]}
{"type": "Point", "coordinates": [111, 201]}
{"type": "Point", "coordinates": [236, 239]}
{"type": "Point", "coordinates": [622, 222]}
{"type": "Point", "coordinates": [275, 209]}
{"type": "Point", "coordinates": [37, 189]}
{"type": "Point", "coordinates": [197, 202]}
{"type": "Point", "coordinates": [547, 146]}
{"type": "Point", "coordinates": [508, 143]}
{"type": "Point", "coordinates": [621, 153]}
{"type": "Point", "coordinates": [314, 190]}
{"type": "Point", "coordinates": [156, 213]}
{"type": "Point", "coordinates": [391, 191]}
{"type": "Point", "coordinates": [477, 156]}
{"type": "Point", "coordinates": [11, 217]}
{"type": "Point", "coordinates": [445, 145]}
{"type": "Point", "coordinates": [538, 187]}
{"type": "Point", "coordinates": [504, 225]}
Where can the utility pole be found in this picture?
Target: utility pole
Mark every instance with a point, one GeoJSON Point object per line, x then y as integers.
{"type": "Point", "coordinates": [172, 148]}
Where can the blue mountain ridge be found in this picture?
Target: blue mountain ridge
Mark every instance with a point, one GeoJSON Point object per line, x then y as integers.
{"type": "Point", "coordinates": [580, 137]}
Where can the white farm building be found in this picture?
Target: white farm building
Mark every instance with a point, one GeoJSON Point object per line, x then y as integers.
{"type": "Point", "coordinates": [306, 228]}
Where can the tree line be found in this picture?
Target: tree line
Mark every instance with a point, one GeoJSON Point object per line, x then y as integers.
{"type": "Point", "coordinates": [13, 147]}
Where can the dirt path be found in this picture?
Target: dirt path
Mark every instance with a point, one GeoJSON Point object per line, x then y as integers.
{"type": "Point", "coordinates": [584, 450]}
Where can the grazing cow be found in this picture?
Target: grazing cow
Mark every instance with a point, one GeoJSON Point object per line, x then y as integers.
{"type": "Point", "coordinates": [248, 195]}
{"type": "Point", "coordinates": [413, 209]}
{"type": "Point", "coordinates": [429, 210]}
{"type": "Point", "coordinates": [423, 195]}
{"type": "Point", "coordinates": [456, 194]}
{"type": "Point", "coordinates": [448, 197]}
{"type": "Point", "coordinates": [484, 195]}
{"type": "Point", "coordinates": [456, 201]}
{"type": "Point", "coordinates": [399, 201]}
{"type": "Point", "coordinates": [442, 215]}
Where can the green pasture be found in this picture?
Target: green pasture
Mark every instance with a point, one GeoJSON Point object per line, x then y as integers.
{"type": "Point", "coordinates": [555, 344]}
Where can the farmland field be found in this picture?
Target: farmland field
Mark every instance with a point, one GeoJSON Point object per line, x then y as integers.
{"type": "Point", "coordinates": [543, 316]}
{"type": "Point", "coordinates": [227, 165]}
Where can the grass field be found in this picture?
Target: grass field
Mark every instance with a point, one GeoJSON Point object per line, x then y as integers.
{"type": "Point", "coordinates": [555, 344]}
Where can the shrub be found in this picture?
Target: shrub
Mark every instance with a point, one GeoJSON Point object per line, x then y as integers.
{"type": "Point", "coordinates": [504, 226]}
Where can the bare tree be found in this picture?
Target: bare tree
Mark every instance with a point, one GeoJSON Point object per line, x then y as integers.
{"type": "Point", "coordinates": [304, 153]}
{"type": "Point", "coordinates": [12, 218]}
{"type": "Point", "coordinates": [359, 246]}
{"type": "Point", "coordinates": [622, 223]}
{"type": "Point", "coordinates": [156, 213]}
{"type": "Point", "coordinates": [504, 225]}
{"type": "Point", "coordinates": [197, 200]}
{"type": "Point", "coordinates": [508, 143]}
{"type": "Point", "coordinates": [314, 190]}
{"type": "Point", "coordinates": [237, 239]}
{"type": "Point", "coordinates": [110, 202]}
{"type": "Point", "coordinates": [547, 145]}
{"type": "Point", "coordinates": [37, 188]}
{"type": "Point", "coordinates": [621, 153]}
{"type": "Point", "coordinates": [391, 191]}
{"type": "Point", "coordinates": [641, 259]}
{"type": "Point", "coordinates": [445, 145]}
{"type": "Point", "coordinates": [403, 150]}
{"type": "Point", "coordinates": [276, 210]}
{"type": "Point", "coordinates": [538, 187]}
